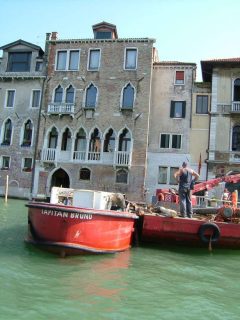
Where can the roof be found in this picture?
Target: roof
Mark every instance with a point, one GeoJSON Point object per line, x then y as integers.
{"type": "Point", "coordinates": [102, 40]}
{"type": "Point", "coordinates": [208, 66]}
{"type": "Point", "coordinates": [174, 63]}
{"type": "Point", "coordinates": [22, 42]}
{"type": "Point", "coordinates": [104, 24]}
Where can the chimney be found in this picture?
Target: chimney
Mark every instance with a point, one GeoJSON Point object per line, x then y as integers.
{"type": "Point", "coordinates": [48, 36]}
{"type": "Point", "coordinates": [54, 36]}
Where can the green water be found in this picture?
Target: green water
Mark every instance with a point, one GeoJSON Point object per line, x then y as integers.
{"type": "Point", "coordinates": [142, 283]}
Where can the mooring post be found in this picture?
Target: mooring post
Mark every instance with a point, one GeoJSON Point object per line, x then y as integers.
{"type": "Point", "coordinates": [6, 189]}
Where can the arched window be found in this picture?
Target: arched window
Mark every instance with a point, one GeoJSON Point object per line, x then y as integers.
{"type": "Point", "coordinates": [109, 141]}
{"type": "Point", "coordinates": [70, 94]}
{"type": "Point", "coordinates": [236, 93]}
{"type": "Point", "coordinates": [80, 145]}
{"type": "Point", "coordinates": [85, 174]}
{"type": "Point", "coordinates": [124, 141]}
{"type": "Point", "coordinates": [236, 138]}
{"type": "Point", "coordinates": [81, 141]}
{"type": "Point", "coordinates": [27, 134]}
{"type": "Point", "coordinates": [66, 140]}
{"type": "Point", "coordinates": [7, 133]}
{"type": "Point", "coordinates": [128, 97]}
{"type": "Point", "coordinates": [91, 97]}
{"type": "Point", "coordinates": [58, 95]}
{"type": "Point", "coordinates": [53, 137]}
{"type": "Point", "coordinates": [94, 145]}
{"type": "Point", "coordinates": [122, 176]}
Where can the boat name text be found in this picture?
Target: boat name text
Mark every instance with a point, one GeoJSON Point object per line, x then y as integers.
{"type": "Point", "coordinates": [64, 214]}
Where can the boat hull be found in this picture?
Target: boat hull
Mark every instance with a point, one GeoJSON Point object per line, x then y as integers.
{"type": "Point", "coordinates": [69, 230]}
{"type": "Point", "coordinates": [159, 229]}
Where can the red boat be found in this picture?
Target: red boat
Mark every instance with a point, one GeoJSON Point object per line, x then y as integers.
{"type": "Point", "coordinates": [86, 223]}
{"type": "Point", "coordinates": [219, 225]}
{"type": "Point", "coordinates": [190, 232]}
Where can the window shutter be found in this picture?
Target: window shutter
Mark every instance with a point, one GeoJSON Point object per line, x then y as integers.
{"type": "Point", "coordinates": [172, 109]}
{"type": "Point", "coordinates": [180, 75]}
{"type": "Point", "coordinates": [184, 109]}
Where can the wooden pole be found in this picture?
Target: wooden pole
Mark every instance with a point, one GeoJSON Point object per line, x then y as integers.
{"type": "Point", "coordinates": [6, 190]}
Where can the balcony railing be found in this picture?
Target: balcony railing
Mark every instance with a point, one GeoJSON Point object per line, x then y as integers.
{"type": "Point", "coordinates": [119, 158]}
{"type": "Point", "coordinates": [123, 158]}
{"type": "Point", "coordinates": [234, 156]}
{"type": "Point", "coordinates": [61, 108]}
{"type": "Point", "coordinates": [225, 156]}
{"type": "Point", "coordinates": [236, 106]}
{"type": "Point", "coordinates": [48, 155]}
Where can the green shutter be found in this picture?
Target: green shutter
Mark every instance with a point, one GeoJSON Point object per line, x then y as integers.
{"type": "Point", "coordinates": [184, 109]}
{"type": "Point", "coordinates": [172, 109]}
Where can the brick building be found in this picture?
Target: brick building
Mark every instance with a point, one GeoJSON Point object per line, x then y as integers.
{"type": "Point", "coordinates": [94, 123]}
{"type": "Point", "coordinates": [21, 84]}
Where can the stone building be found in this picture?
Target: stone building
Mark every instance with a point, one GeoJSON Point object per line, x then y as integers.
{"type": "Point", "coordinates": [170, 123]}
{"type": "Point", "coordinates": [223, 75]}
{"type": "Point", "coordinates": [199, 133]}
{"type": "Point", "coordinates": [21, 84]}
{"type": "Point", "coordinates": [95, 117]}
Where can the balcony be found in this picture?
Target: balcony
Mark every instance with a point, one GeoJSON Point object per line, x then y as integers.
{"type": "Point", "coordinates": [236, 107]}
{"type": "Point", "coordinates": [118, 158]}
{"type": "Point", "coordinates": [48, 155]}
{"type": "Point", "coordinates": [224, 156]}
{"type": "Point", "coordinates": [61, 109]}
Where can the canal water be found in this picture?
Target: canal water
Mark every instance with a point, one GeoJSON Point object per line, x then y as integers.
{"type": "Point", "coordinates": [142, 283]}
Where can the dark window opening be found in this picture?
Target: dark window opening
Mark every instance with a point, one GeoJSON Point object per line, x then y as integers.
{"type": "Point", "coordinates": [91, 97]}
{"type": "Point", "coordinates": [109, 142]}
{"type": "Point", "coordinates": [202, 104]}
{"type": "Point", "coordinates": [178, 109]}
{"type": "Point", "coordinates": [53, 137]}
{"type": "Point", "coordinates": [236, 90]}
{"type": "Point", "coordinates": [128, 97]}
{"type": "Point", "coordinates": [236, 138]}
{"type": "Point", "coordinates": [27, 135]}
{"type": "Point", "coordinates": [66, 140]}
{"type": "Point", "coordinates": [19, 61]}
{"type": "Point", "coordinates": [7, 133]}
{"type": "Point", "coordinates": [124, 141]}
{"type": "Point", "coordinates": [122, 176]}
{"type": "Point", "coordinates": [85, 174]}
{"type": "Point", "coordinates": [103, 35]}
{"type": "Point", "coordinates": [58, 94]}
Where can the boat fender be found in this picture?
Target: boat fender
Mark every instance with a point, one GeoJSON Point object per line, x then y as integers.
{"type": "Point", "coordinates": [209, 228]}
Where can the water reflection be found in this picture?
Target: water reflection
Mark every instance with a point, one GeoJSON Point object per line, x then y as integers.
{"type": "Point", "coordinates": [105, 277]}
{"type": "Point", "coordinates": [3, 211]}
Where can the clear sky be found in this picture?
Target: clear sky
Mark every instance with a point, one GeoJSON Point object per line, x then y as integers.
{"type": "Point", "coordinates": [185, 30]}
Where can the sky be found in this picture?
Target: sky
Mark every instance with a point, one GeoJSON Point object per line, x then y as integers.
{"type": "Point", "coordinates": [184, 30]}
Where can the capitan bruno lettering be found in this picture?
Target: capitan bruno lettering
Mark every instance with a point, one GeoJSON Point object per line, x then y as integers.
{"type": "Point", "coordinates": [64, 214]}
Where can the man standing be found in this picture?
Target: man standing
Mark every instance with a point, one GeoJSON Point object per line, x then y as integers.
{"type": "Point", "coordinates": [184, 177]}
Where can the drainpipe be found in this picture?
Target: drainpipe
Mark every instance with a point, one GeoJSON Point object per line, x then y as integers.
{"type": "Point", "coordinates": [37, 138]}
{"type": "Point", "coordinates": [40, 111]}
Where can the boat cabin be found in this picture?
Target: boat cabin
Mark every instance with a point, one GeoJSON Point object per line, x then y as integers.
{"type": "Point", "coordinates": [91, 199]}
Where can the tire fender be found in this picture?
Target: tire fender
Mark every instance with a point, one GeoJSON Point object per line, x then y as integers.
{"type": "Point", "coordinates": [211, 228]}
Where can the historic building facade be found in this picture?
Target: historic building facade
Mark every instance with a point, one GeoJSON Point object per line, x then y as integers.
{"type": "Point", "coordinates": [199, 133]}
{"type": "Point", "coordinates": [224, 135]}
{"type": "Point", "coordinates": [94, 123]}
{"type": "Point", "coordinates": [170, 123]}
{"type": "Point", "coordinates": [21, 85]}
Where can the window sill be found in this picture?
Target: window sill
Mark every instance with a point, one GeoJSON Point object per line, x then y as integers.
{"type": "Point", "coordinates": [5, 144]}
{"type": "Point", "coordinates": [27, 170]}
{"type": "Point", "coordinates": [126, 109]}
{"type": "Point", "coordinates": [26, 145]}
